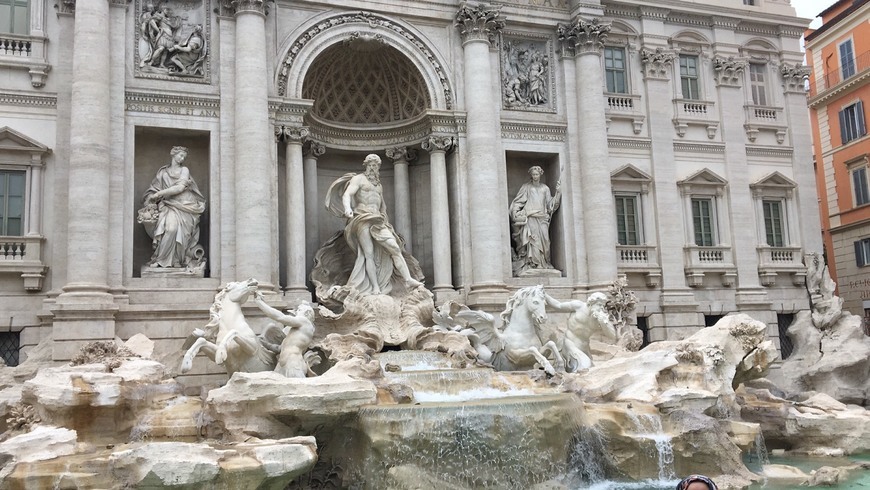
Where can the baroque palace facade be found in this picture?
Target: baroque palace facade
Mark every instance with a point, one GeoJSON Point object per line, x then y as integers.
{"type": "Point", "coordinates": [677, 132]}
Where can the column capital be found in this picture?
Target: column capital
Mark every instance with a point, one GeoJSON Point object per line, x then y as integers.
{"type": "Point", "coordinates": [728, 71]}
{"type": "Point", "coordinates": [584, 36]}
{"type": "Point", "coordinates": [401, 154]}
{"type": "Point", "coordinates": [236, 7]}
{"type": "Point", "coordinates": [119, 3]}
{"type": "Point", "coordinates": [657, 63]}
{"type": "Point", "coordinates": [794, 77]}
{"type": "Point", "coordinates": [312, 149]}
{"type": "Point", "coordinates": [479, 22]}
{"type": "Point", "coordinates": [438, 143]}
{"type": "Point", "coordinates": [65, 7]}
{"type": "Point", "coordinates": [291, 134]}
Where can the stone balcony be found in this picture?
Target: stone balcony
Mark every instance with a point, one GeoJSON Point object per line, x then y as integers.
{"type": "Point", "coordinates": [23, 255]}
{"type": "Point", "coordinates": [765, 118]}
{"type": "Point", "coordinates": [780, 260]}
{"type": "Point", "coordinates": [700, 261]}
{"type": "Point", "coordinates": [25, 52]}
{"type": "Point", "coordinates": [691, 112]}
{"type": "Point", "coordinates": [624, 106]}
{"type": "Point", "coordinates": [639, 259]}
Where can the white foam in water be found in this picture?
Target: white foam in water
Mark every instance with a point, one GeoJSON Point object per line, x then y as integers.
{"type": "Point", "coordinates": [467, 395]}
{"type": "Point", "coordinates": [638, 485]}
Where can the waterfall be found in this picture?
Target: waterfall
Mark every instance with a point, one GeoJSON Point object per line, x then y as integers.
{"type": "Point", "coordinates": [761, 449]}
{"type": "Point", "coordinates": [588, 460]}
{"type": "Point", "coordinates": [649, 426]}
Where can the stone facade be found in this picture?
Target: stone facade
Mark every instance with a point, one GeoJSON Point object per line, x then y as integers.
{"type": "Point", "coordinates": [648, 117]}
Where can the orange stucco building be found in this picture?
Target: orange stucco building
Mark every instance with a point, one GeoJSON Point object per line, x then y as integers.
{"type": "Point", "coordinates": [838, 54]}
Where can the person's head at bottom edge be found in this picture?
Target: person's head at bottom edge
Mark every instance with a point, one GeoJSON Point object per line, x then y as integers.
{"type": "Point", "coordinates": [696, 482]}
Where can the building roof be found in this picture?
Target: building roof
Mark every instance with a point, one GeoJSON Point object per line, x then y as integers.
{"type": "Point", "coordinates": [856, 4]}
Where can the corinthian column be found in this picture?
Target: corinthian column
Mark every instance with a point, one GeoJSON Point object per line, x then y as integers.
{"type": "Point", "coordinates": [587, 38]}
{"type": "Point", "coordinates": [253, 158]}
{"type": "Point", "coordinates": [294, 209]}
{"type": "Point", "coordinates": [311, 151]}
{"type": "Point", "coordinates": [478, 26]}
{"type": "Point", "coordinates": [85, 309]}
{"type": "Point", "coordinates": [438, 146]}
{"type": "Point", "coordinates": [401, 157]}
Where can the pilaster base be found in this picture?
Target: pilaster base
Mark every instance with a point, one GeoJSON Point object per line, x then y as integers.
{"type": "Point", "coordinates": [488, 296]}
{"type": "Point", "coordinates": [295, 295]}
{"type": "Point", "coordinates": [76, 324]}
{"type": "Point", "coordinates": [445, 293]}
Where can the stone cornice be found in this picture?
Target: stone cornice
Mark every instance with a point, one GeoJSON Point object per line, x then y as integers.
{"type": "Point", "coordinates": [856, 81]}
{"type": "Point", "coordinates": [629, 143]}
{"type": "Point", "coordinates": [479, 22]}
{"type": "Point", "coordinates": [648, 12]}
{"type": "Point", "coordinates": [49, 101]}
{"type": "Point", "coordinates": [699, 147]}
{"type": "Point", "coordinates": [515, 130]}
{"type": "Point", "coordinates": [768, 151]}
{"type": "Point", "coordinates": [583, 36]}
{"type": "Point", "coordinates": [623, 11]}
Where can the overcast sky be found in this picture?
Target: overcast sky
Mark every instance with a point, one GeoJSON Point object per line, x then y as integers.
{"type": "Point", "coordinates": [810, 8]}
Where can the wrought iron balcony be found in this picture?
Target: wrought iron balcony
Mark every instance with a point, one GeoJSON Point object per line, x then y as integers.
{"type": "Point", "coordinates": [835, 76]}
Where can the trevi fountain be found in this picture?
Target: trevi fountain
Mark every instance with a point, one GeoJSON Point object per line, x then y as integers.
{"type": "Point", "coordinates": [375, 386]}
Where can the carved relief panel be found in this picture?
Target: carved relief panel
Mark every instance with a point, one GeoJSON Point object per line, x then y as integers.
{"type": "Point", "coordinates": [527, 73]}
{"type": "Point", "coordinates": [172, 40]}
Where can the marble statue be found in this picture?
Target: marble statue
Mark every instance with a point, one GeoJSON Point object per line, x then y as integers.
{"type": "Point", "coordinates": [159, 29]}
{"type": "Point", "coordinates": [228, 340]}
{"type": "Point", "coordinates": [585, 319]}
{"type": "Point", "coordinates": [525, 75]}
{"type": "Point", "coordinates": [173, 206]}
{"type": "Point", "coordinates": [518, 344]}
{"type": "Point", "coordinates": [379, 262]}
{"type": "Point", "coordinates": [188, 57]}
{"type": "Point", "coordinates": [298, 334]}
{"type": "Point", "coordinates": [530, 214]}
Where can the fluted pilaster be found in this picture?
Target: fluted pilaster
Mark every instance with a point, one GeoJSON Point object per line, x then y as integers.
{"type": "Point", "coordinates": [438, 146]}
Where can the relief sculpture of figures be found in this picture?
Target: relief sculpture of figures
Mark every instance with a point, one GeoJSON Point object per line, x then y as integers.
{"type": "Point", "coordinates": [525, 82]}
{"type": "Point", "coordinates": [530, 214]}
{"type": "Point", "coordinates": [379, 264]}
{"type": "Point", "coordinates": [173, 206]}
{"type": "Point", "coordinates": [172, 37]}
{"type": "Point", "coordinates": [189, 56]}
{"type": "Point", "coordinates": [158, 28]}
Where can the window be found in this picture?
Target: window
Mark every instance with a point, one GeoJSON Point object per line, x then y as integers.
{"type": "Point", "coordinates": [689, 77]}
{"type": "Point", "coordinates": [758, 84]}
{"type": "Point", "coordinates": [627, 220]}
{"type": "Point", "coordinates": [773, 223]}
{"type": "Point", "coordinates": [14, 16]}
{"type": "Point", "coordinates": [703, 220]}
{"type": "Point", "coordinates": [852, 122]}
{"type": "Point", "coordinates": [847, 59]}
{"type": "Point", "coordinates": [614, 70]}
{"type": "Point", "coordinates": [862, 252]}
{"type": "Point", "coordinates": [11, 202]}
{"type": "Point", "coordinates": [860, 186]}
{"type": "Point", "coordinates": [783, 321]}
{"type": "Point", "coordinates": [748, 2]}
{"type": "Point", "coordinates": [10, 342]}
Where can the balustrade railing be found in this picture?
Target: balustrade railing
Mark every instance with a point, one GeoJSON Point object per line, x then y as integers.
{"type": "Point", "coordinates": [636, 255]}
{"type": "Point", "coordinates": [696, 109]}
{"type": "Point", "coordinates": [774, 257]}
{"type": "Point", "coordinates": [621, 102]}
{"type": "Point", "coordinates": [697, 256]}
{"type": "Point", "coordinates": [835, 76]}
{"type": "Point", "coordinates": [12, 45]}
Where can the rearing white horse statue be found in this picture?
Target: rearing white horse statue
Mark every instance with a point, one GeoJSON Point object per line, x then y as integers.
{"type": "Point", "coordinates": [517, 345]}
{"type": "Point", "coordinates": [228, 340]}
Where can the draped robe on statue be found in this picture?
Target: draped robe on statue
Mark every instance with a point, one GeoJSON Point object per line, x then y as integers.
{"type": "Point", "coordinates": [380, 230]}
{"type": "Point", "coordinates": [176, 232]}
{"type": "Point", "coordinates": [530, 214]}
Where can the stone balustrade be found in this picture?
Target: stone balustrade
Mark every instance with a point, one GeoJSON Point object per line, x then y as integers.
{"type": "Point", "coordinates": [23, 255]}
{"type": "Point", "coordinates": [780, 260]}
{"type": "Point", "coordinates": [12, 45]}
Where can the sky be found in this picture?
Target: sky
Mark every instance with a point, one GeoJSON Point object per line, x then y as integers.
{"type": "Point", "coordinates": [810, 8]}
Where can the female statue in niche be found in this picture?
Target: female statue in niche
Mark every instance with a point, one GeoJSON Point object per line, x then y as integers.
{"type": "Point", "coordinates": [530, 214]}
{"type": "Point", "coordinates": [173, 206]}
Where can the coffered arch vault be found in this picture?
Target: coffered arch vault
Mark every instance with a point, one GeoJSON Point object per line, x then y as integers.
{"type": "Point", "coordinates": [329, 31]}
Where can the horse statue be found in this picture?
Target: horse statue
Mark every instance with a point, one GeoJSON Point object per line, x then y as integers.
{"type": "Point", "coordinates": [517, 345]}
{"type": "Point", "coordinates": [228, 340]}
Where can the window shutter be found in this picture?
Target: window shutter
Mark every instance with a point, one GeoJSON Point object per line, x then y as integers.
{"type": "Point", "coordinates": [859, 253]}
{"type": "Point", "coordinates": [843, 136]}
{"type": "Point", "coordinates": [859, 115]}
